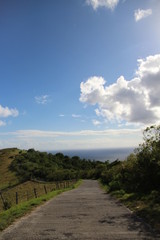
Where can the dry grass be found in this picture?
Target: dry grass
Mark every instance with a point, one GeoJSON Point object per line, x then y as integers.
{"type": "Point", "coordinates": [7, 177]}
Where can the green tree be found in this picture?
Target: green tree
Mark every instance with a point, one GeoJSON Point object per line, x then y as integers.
{"type": "Point", "coordinates": [149, 159]}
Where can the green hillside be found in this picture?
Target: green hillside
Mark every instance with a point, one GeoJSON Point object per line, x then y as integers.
{"type": "Point", "coordinates": [17, 166]}
{"type": "Point", "coordinates": [24, 175]}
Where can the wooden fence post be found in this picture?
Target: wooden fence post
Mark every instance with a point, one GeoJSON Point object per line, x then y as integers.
{"type": "Point", "coordinates": [3, 201]}
{"type": "Point", "coordinates": [35, 192]}
{"type": "Point", "coordinates": [45, 189]}
{"type": "Point", "coordinates": [16, 198]}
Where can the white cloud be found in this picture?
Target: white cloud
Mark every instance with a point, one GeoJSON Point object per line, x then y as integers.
{"type": "Point", "coordinates": [7, 112]}
{"type": "Point", "coordinates": [2, 123]}
{"type": "Point", "coordinates": [134, 101]}
{"type": "Point", "coordinates": [76, 116]}
{"type": "Point", "coordinates": [96, 122]}
{"type": "Point", "coordinates": [111, 4]}
{"type": "Point", "coordinates": [141, 13]}
{"type": "Point", "coordinates": [94, 85]}
{"type": "Point", "coordinates": [85, 139]}
{"type": "Point", "coordinates": [41, 133]}
{"type": "Point", "coordinates": [44, 99]}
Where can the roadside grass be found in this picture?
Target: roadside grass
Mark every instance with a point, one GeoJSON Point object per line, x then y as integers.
{"type": "Point", "coordinates": [103, 186]}
{"type": "Point", "coordinates": [146, 206]}
{"type": "Point", "coordinates": [25, 191]}
{"type": "Point", "coordinates": [9, 216]}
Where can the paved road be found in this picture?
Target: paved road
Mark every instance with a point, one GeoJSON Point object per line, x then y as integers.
{"type": "Point", "coordinates": [85, 213]}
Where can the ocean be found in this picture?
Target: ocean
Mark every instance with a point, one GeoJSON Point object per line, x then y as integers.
{"type": "Point", "coordinates": [99, 154]}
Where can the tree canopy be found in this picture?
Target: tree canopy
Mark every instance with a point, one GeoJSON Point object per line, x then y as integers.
{"type": "Point", "coordinates": [46, 166]}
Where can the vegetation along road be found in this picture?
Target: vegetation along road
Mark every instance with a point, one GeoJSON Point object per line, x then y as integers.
{"type": "Point", "coordinates": [83, 213]}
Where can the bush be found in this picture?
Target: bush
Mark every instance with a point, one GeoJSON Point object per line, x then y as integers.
{"type": "Point", "coordinates": [154, 197]}
{"type": "Point", "coordinates": [114, 185]}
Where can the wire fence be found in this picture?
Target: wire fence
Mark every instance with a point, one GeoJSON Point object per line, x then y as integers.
{"type": "Point", "coordinates": [29, 190]}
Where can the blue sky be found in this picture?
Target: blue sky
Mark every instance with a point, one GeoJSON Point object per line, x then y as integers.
{"type": "Point", "coordinates": [78, 74]}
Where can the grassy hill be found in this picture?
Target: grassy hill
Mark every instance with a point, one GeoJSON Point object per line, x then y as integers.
{"type": "Point", "coordinates": [14, 188]}
{"type": "Point", "coordinates": [18, 166]}
{"type": "Point", "coordinates": [7, 177]}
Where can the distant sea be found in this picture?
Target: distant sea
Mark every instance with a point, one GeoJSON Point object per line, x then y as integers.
{"type": "Point", "coordinates": [99, 154]}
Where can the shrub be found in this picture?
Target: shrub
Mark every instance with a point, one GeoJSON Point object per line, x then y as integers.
{"type": "Point", "coordinates": [114, 185]}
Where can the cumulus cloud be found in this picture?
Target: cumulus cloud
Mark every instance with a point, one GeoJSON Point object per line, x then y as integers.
{"type": "Point", "coordinates": [42, 99]}
{"type": "Point", "coordinates": [111, 4]}
{"type": "Point", "coordinates": [94, 85]}
{"type": "Point", "coordinates": [141, 13]}
{"type": "Point", "coordinates": [7, 112]}
{"type": "Point", "coordinates": [134, 101]}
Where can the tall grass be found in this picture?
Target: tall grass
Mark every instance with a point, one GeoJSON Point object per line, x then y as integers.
{"type": "Point", "coordinates": [7, 177]}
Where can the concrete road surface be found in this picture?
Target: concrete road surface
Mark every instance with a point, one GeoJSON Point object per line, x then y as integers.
{"type": "Point", "coordinates": [85, 213]}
